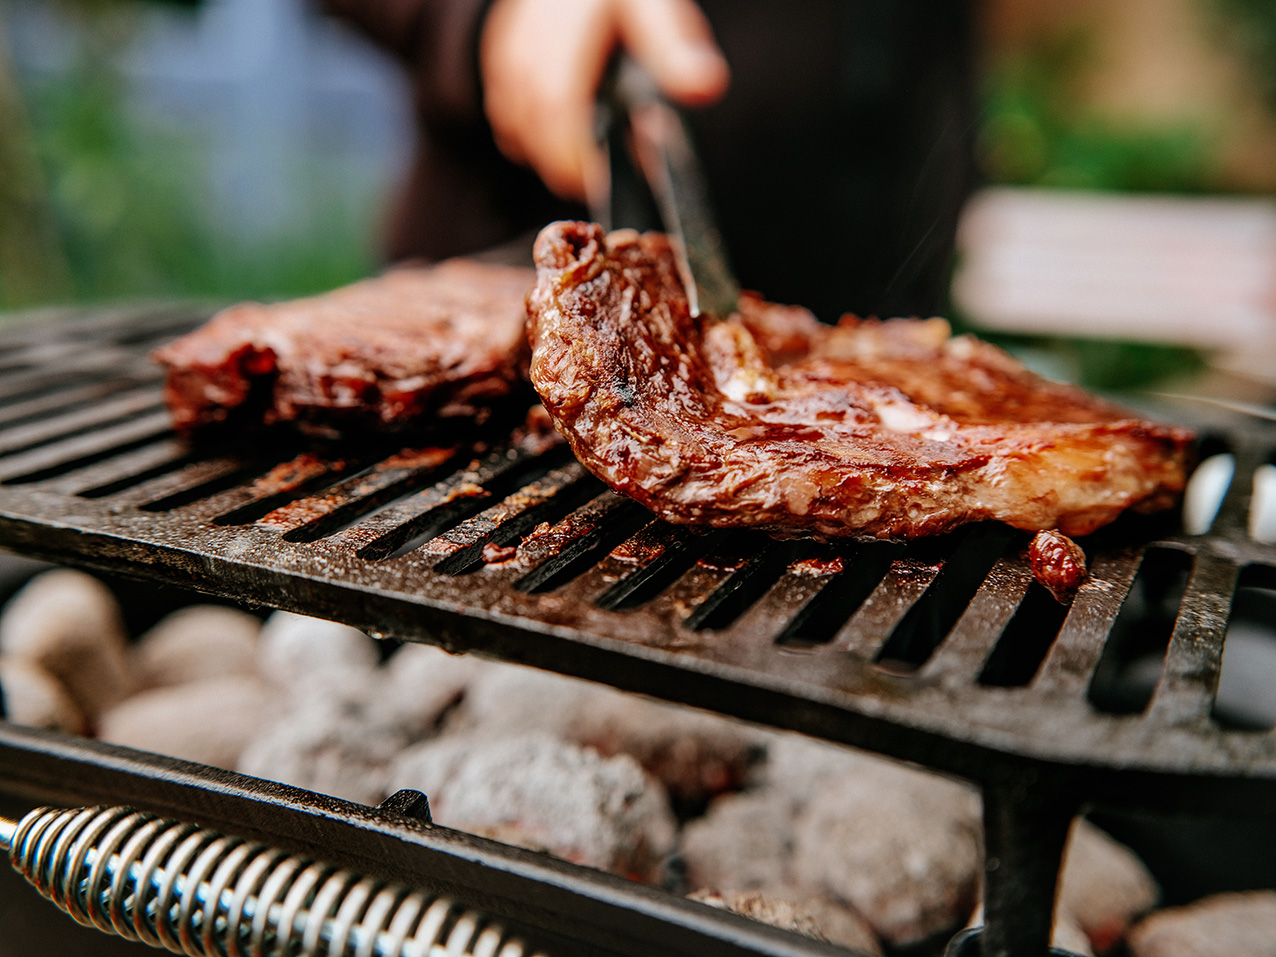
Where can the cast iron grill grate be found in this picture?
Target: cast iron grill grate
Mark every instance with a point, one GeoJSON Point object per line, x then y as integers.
{"type": "Point", "coordinates": [949, 635]}
{"type": "Point", "coordinates": [943, 652]}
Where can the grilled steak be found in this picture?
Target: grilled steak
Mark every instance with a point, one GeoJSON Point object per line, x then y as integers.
{"type": "Point", "coordinates": [770, 420]}
{"type": "Point", "coordinates": [384, 354]}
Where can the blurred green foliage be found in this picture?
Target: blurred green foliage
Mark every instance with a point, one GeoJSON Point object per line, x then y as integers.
{"type": "Point", "coordinates": [1250, 26]}
{"type": "Point", "coordinates": [132, 210]}
{"type": "Point", "coordinates": [1113, 366]}
{"type": "Point", "coordinates": [136, 218]}
{"type": "Point", "coordinates": [1108, 365]}
{"type": "Point", "coordinates": [1036, 132]}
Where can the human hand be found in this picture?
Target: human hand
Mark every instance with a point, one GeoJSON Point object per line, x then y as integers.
{"type": "Point", "coordinates": [542, 62]}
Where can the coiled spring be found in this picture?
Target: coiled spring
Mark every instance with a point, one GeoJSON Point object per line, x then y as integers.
{"type": "Point", "coordinates": [193, 891]}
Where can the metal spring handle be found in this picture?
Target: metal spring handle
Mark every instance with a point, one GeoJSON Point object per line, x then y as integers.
{"type": "Point", "coordinates": [193, 891]}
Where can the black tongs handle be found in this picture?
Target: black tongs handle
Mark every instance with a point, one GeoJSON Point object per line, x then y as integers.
{"type": "Point", "coordinates": [641, 124]}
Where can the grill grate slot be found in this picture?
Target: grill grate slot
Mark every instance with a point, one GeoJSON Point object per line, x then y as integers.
{"type": "Point", "coordinates": [1233, 517]}
{"type": "Point", "coordinates": [16, 365]}
{"type": "Point", "coordinates": [1132, 659]}
{"type": "Point", "coordinates": [1245, 701]}
{"type": "Point", "coordinates": [547, 500]}
{"type": "Point", "coordinates": [155, 332]}
{"type": "Point", "coordinates": [73, 361]}
{"type": "Point", "coordinates": [60, 401]}
{"type": "Point", "coordinates": [722, 555]}
{"type": "Point", "coordinates": [145, 465]}
{"type": "Point", "coordinates": [1026, 639]}
{"type": "Point", "coordinates": [286, 483]}
{"type": "Point", "coordinates": [903, 584]}
{"type": "Point", "coordinates": [212, 477]}
{"type": "Point", "coordinates": [1262, 515]}
{"type": "Point", "coordinates": [118, 411]}
{"type": "Point", "coordinates": [757, 633]}
{"type": "Point", "coordinates": [733, 597]}
{"type": "Point", "coordinates": [931, 618]}
{"type": "Point", "coordinates": [349, 500]}
{"type": "Point", "coordinates": [818, 620]}
{"type": "Point", "coordinates": [663, 553]}
{"type": "Point", "coordinates": [42, 385]}
{"type": "Point", "coordinates": [1259, 576]}
{"type": "Point", "coordinates": [1189, 679]}
{"type": "Point", "coordinates": [576, 544]}
{"type": "Point", "coordinates": [39, 380]}
{"type": "Point", "coordinates": [80, 451]}
{"type": "Point", "coordinates": [406, 525]}
{"type": "Point", "coordinates": [1205, 491]}
{"type": "Point", "coordinates": [973, 641]}
{"type": "Point", "coordinates": [33, 356]}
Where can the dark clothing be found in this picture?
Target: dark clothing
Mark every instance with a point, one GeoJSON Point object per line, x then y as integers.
{"type": "Point", "coordinates": [837, 161]}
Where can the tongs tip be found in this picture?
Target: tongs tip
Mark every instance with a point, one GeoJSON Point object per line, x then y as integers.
{"type": "Point", "coordinates": [667, 162]}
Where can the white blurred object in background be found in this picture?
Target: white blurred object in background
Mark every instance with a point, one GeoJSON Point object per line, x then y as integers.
{"type": "Point", "coordinates": [1210, 482]}
{"type": "Point", "coordinates": [1186, 270]}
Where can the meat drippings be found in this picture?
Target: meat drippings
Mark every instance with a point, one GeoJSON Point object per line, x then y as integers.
{"type": "Point", "coordinates": [1058, 563]}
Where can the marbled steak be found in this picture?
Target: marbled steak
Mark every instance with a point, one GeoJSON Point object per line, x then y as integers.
{"type": "Point", "coordinates": [768, 419]}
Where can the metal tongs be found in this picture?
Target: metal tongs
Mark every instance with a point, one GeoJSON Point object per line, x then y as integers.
{"type": "Point", "coordinates": [639, 124]}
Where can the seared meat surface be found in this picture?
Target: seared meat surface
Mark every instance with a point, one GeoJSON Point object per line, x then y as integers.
{"type": "Point", "coordinates": [382, 354]}
{"type": "Point", "coordinates": [770, 420]}
{"type": "Point", "coordinates": [1058, 563]}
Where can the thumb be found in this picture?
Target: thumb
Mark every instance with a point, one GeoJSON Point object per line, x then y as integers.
{"type": "Point", "coordinates": [673, 40]}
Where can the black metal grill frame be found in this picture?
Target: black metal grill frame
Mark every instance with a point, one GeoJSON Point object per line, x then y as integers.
{"type": "Point", "coordinates": [568, 910]}
{"type": "Point", "coordinates": [792, 635]}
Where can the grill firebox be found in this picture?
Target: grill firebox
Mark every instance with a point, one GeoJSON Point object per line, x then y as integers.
{"type": "Point", "coordinates": [945, 652]}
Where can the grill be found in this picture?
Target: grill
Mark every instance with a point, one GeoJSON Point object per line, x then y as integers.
{"type": "Point", "coordinates": [944, 653]}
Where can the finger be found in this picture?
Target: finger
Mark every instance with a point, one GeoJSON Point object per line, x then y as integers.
{"type": "Point", "coordinates": [673, 40]}
{"type": "Point", "coordinates": [542, 61]}
{"type": "Point", "coordinates": [559, 144]}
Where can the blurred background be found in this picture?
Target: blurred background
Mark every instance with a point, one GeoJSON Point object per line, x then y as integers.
{"type": "Point", "coordinates": [246, 148]}
{"type": "Point", "coordinates": [1128, 227]}
{"type": "Point", "coordinates": [225, 148]}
